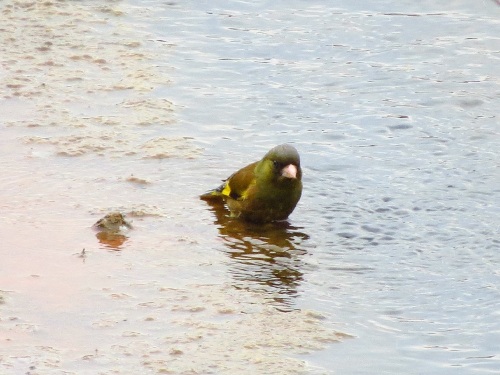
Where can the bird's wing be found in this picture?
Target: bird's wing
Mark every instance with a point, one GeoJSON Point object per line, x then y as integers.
{"type": "Point", "coordinates": [237, 185]}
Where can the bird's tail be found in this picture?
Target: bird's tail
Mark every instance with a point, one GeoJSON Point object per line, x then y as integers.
{"type": "Point", "coordinates": [214, 194]}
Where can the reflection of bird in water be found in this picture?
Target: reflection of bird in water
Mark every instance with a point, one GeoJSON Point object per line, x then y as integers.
{"type": "Point", "coordinates": [266, 257]}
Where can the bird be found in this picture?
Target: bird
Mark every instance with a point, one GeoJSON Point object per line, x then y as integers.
{"type": "Point", "coordinates": [264, 191]}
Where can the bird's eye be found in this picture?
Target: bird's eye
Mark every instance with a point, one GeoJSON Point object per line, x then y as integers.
{"type": "Point", "coordinates": [276, 164]}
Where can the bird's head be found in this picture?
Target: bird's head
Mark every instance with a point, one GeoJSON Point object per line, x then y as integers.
{"type": "Point", "coordinates": [283, 162]}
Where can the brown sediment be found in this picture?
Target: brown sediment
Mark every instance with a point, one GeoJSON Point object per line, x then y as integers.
{"type": "Point", "coordinates": [54, 54]}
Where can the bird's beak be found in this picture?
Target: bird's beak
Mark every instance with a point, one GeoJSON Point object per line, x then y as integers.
{"type": "Point", "coordinates": [290, 171]}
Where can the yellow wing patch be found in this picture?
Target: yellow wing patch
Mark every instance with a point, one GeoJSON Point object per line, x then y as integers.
{"type": "Point", "coordinates": [227, 190]}
{"type": "Point", "coordinates": [234, 194]}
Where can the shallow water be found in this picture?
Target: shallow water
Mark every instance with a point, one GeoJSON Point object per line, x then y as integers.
{"type": "Point", "coordinates": [390, 262]}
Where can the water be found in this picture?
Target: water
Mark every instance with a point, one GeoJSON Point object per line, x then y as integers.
{"type": "Point", "coordinates": [389, 264]}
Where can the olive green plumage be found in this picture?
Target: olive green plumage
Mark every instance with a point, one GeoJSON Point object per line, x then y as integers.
{"type": "Point", "coordinates": [263, 191]}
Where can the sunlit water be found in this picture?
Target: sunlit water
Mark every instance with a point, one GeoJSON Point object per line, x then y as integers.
{"type": "Point", "coordinates": [393, 250]}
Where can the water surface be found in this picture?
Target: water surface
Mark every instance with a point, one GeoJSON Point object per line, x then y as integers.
{"type": "Point", "coordinates": [389, 263]}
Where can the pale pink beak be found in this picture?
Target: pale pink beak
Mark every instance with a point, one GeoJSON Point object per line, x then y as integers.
{"type": "Point", "coordinates": [290, 171]}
